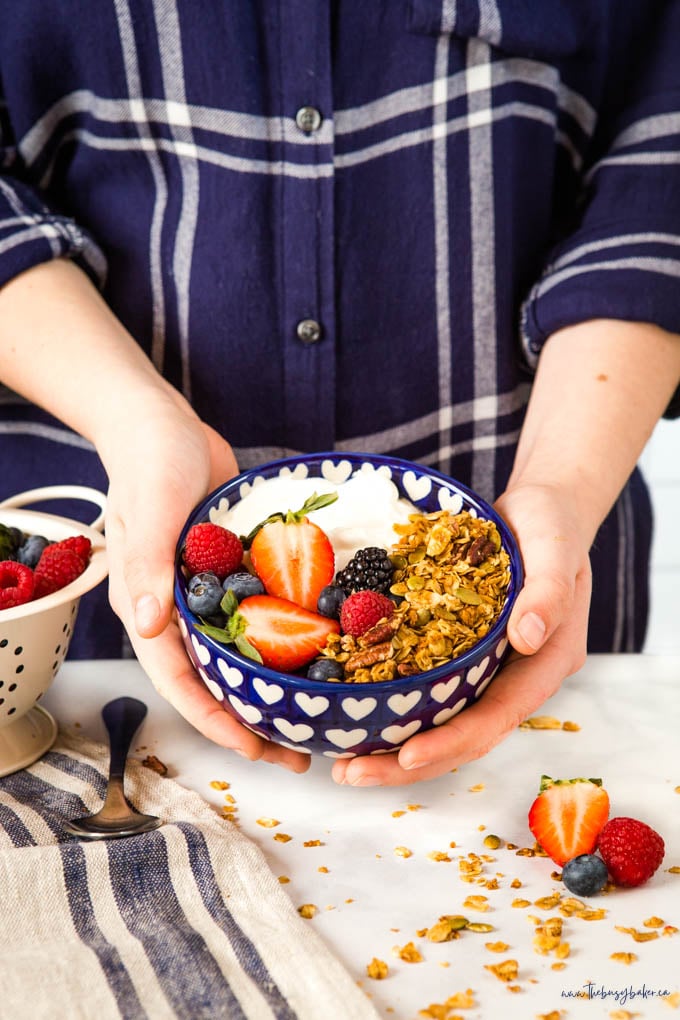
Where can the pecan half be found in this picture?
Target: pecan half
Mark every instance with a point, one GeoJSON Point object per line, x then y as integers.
{"type": "Point", "coordinates": [479, 551]}
{"type": "Point", "coordinates": [368, 656]}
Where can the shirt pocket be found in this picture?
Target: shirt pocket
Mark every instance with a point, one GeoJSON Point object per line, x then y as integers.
{"type": "Point", "coordinates": [543, 30]}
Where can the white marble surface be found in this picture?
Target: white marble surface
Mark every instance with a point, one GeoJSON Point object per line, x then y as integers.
{"type": "Point", "coordinates": [371, 900]}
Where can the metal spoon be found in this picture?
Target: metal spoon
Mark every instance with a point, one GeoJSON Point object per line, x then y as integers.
{"type": "Point", "coordinates": [117, 817]}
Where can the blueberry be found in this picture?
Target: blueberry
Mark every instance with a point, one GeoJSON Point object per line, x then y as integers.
{"type": "Point", "coordinates": [330, 601]}
{"type": "Point", "coordinates": [585, 875]}
{"type": "Point", "coordinates": [205, 597]}
{"type": "Point", "coordinates": [206, 577]}
{"type": "Point", "coordinates": [243, 585]}
{"type": "Point", "coordinates": [325, 669]}
{"type": "Point", "coordinates": [30, 552]}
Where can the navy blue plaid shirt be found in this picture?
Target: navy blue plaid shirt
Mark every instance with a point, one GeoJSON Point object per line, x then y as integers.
{"type": "Point", "coordinates": [347, 224]}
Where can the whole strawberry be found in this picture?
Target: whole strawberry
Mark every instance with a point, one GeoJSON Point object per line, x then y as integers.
{"type": "Point", "coordinates": [631, 850]}
{"type": "Point", "coordinates": [362, 610]}
{"type": "Point", "coordinates": [210, 547]}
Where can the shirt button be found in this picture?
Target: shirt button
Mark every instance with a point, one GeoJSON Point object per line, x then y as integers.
{"type": "Point", "coordinates": [309, 331]}
{"type": "Point", "coordinates": [308, 119]}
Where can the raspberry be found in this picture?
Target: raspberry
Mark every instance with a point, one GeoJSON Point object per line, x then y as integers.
{"type": "Point", "coordinates": [80, 544]}
{"type": "Point", "coordinates": [362, 610]}
{"type": "Point", "coordinates": [17, 584]}
{"type": "Point", "coordinates": [211, 547]}
{"type": "Point", "coordinates": [631, 850]}
{"type": "Point", "coordinates": [56, 568]}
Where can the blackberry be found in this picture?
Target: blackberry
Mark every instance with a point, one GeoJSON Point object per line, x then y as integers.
{"type": "Point", "coordinates": [370, 568]}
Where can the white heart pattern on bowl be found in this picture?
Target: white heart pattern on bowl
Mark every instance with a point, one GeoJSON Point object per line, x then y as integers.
{"type": "Point", "coordinates": [336, 473]}
{"type": "Point", "coordinates": [345, 738]}
{"type": "Point", "coordinates": [248, 712]}
{"type": "Point", "coordinates": [299, 471]}
{"type": "Point", "coordinates": [485, 683]}
{"type": "Point", "coordinates": [416, 487]}
{"type": "Point", "coordinates": [358, 708]}
{"type": "Point", "coordinates": [312, 704]}
{"type": "Point", "coordinates": [398, 732]}
{"type": "Point", "coordinates": [403, 703]}
{"type": "Point", "coordinates": [270, 693]}
{"type": "Point", "coordinates": [475, 673]}
{"type": "Point", "coordinates": [451, 501]}
{"type": "Point", "coordinates": [294, 731]}
{"type": "Point", "coordinates": [448, 713]}
{"type": "Point", "coordinates": [442, 691]}
{"type": "Point", "coordinates": [339, 754]}
{"type": "Point", "coordinates": [230, 674]}
{"type": "Point", "coordinates": [294, 747]}
{"type": "Point", "coordinates": [500, 648]}
{"type": "Point", "coordinates": [202, 653]}
{"type": "Point", "coordinates": [213, 687]}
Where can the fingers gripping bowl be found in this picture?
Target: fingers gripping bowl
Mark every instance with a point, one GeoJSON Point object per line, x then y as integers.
{"type": "Point", "coordinates": [343, 718]}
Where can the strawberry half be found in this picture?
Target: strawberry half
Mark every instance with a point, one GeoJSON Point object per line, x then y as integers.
{"type": "Point", "coordinates": [274, 631]}
{"type": "Point", "coordinates": [568, 815]}
{"type": "Point", "coordinates": [291, 555]}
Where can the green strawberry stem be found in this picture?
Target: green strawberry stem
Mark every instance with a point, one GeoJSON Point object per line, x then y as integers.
{"type": "Point", "coordinates": [547, 782]}
{"type": "Point", "coordinates": [234, 632]}
{"type": "Point", "coordinates": [314, 502]}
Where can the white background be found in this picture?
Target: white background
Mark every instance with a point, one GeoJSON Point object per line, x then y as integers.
{"type": "Point", "coordinates": [661, 467]}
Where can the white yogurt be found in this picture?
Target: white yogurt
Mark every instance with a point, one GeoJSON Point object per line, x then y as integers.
{"type": "Point", "coordinates": [365, 512]}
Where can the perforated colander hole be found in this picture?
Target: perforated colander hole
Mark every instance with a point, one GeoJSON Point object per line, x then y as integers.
{"type": "Point", "coordinates": [19, 669]}
{"type": "Point", "coordinates": [12, 687]}
{"type": "Point", "coordinates": [4, 642]}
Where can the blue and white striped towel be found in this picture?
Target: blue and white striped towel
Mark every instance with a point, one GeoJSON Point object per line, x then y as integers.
{"type": "Point", "coordinates": [183, 922]}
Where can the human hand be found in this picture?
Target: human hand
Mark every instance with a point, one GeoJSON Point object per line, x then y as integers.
{"type": "Point", "coordinates": [547, 630]}
{"type": "Point", "coordinates": [160, 466]}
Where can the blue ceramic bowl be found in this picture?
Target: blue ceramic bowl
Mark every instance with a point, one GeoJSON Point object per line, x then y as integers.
{"type": "Point", "coordinates": [341, 720]}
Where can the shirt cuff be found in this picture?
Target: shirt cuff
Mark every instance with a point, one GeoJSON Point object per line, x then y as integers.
{"type": "Point", "coordinates": [602, 274]}
{"type": "Point", "coordinates": [31, 233]}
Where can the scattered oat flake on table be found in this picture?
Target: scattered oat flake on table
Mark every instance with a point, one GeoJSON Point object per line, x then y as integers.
{"type": "Point", "coordinates": [268, 823]}
{"type": "Point", "coordinates": [506, 970]}
{"type": "Point", "coordinates": [438, 855]}
{"type": "Point", "coordinates": [219, 784]}
{"type": "Point", "coordinates": [282, 837]}
{"type": "Point", "coordinates": [398, 814]}
{"type": "Point", "coordinates": [307, 910]}
{"type": "Point", "coordinates": [541, 722]}
{"type": "Point", "coordinates": [639, 936]}
{"type": "Point", "coordinates": [555, 1014]}
{"type": "Point", "coordinates": [414, 807]}
{"type": "Point", "coordinates": [672, 1000]}
{"type": "Point", "coordinates": [283, 879]}
{"type": "Point", "coordinates": [323, 869]}
{"type": "Point", "coordinates": [477, 788]}
{"type": "Point", "coordinates": [520, 903]}
{"type": "Point", "coordinates": [626, 958]}
{"type": "Point", "coordinates": [402, 851]}
{"type": "Point", "coordinates": [477, 902]}
{"type": "Point", "coordinates": [669, 929]}
{"type": "Point", "coordinates": [675, 870]}
{"type": "Point", "coordinates": [654, 922]}
{"type": "Point", "coordinates": [623, 1014]}
{"type": "Point", "coordinates": [312, 842]}
{"type": "Point", "coordinates": [377, 969]}
{"type": "Point", "coordinates": [497, 947]}
{"type": "Point", "coordinates": [443, 1011]}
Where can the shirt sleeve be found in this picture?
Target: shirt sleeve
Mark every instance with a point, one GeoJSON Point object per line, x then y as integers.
{"type": "Point", "coordinates": [622, 260]}
{"type": "Point", "coordinates": [31, 230]}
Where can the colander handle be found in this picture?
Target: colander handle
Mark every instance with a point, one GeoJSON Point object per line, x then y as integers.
{"type": "Point", "coordinates": [62, 492]}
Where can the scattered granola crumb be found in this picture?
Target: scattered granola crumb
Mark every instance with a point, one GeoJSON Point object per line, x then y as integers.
{"type": "Point", "coordinates": [219, 784]}
{"type": "Point", "coordinates": [398, 814]}
{"type": "Point", "coordinates": [268, 823]}
{"type": "Point", "coordinates": [626, 958]}
{"type": "Point", "coordinates": [377, 969]}
{"type": "Point", "coordinates": [504, 971]}
{"type": "Point", "coordinates": [557, 966]}
{"type": "Point", "coordinates": [312, 842]}
{"type": "Point", "coordinates": [541, 722]}
{"type": "Point", "coordinates": [438, 855]}
{"type": "Point", "coordinates": [349, 899]}
{"type": "Point", "coordinates": [653, 922]}
{"type": "Point", "coordinates": [672, 1000]}
{"type": "Point", "coordinates": [402, 851]}
{"type": "Point", "coordinates": [477, 788]}
{"type": "Point", "coordinates": [323, 869]}
{"type": "Point", "coordinates": [497, 947]}
{"type": "Point", "coordinates": [515, 884]}
{"type": "Point", "coordinates": [414, 807]}
{"type": "Point", "coordinates": [623, 1014]}
{"type": "Point", "coordinates": [520, 903]}
{"type": "Point", "coordinates": [282, 837]}
{"type": "Point", "coordinates": [443, 1011]}
{"type": "Point", "coordinates": [669, 929]}
{"type": "Point", "coordinates": [476, 903]}
{"type": "Point", "coordinates": [307, 910]}
{"type": "Point", "coordinates": [283, 879]}
{"type": "Point", "coordinates": [570, 727]}
{"type": "Point", "coordinates": [408, 953]}
{"type": "Point", "coordinates": [554, 1014]}
{"type": "Point", "coordinates": [638, 936]}
{"type": "Point", "coordinates": [155, 764]}
{"type": "Point", "coordinates": [675, 870]}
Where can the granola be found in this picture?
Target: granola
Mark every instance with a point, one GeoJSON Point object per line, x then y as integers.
{"type": "Point", "coordinates": [452, 576]}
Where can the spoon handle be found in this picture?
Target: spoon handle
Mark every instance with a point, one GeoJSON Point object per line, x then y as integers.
{"type": "Point", "coordinates": [122, 718]}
